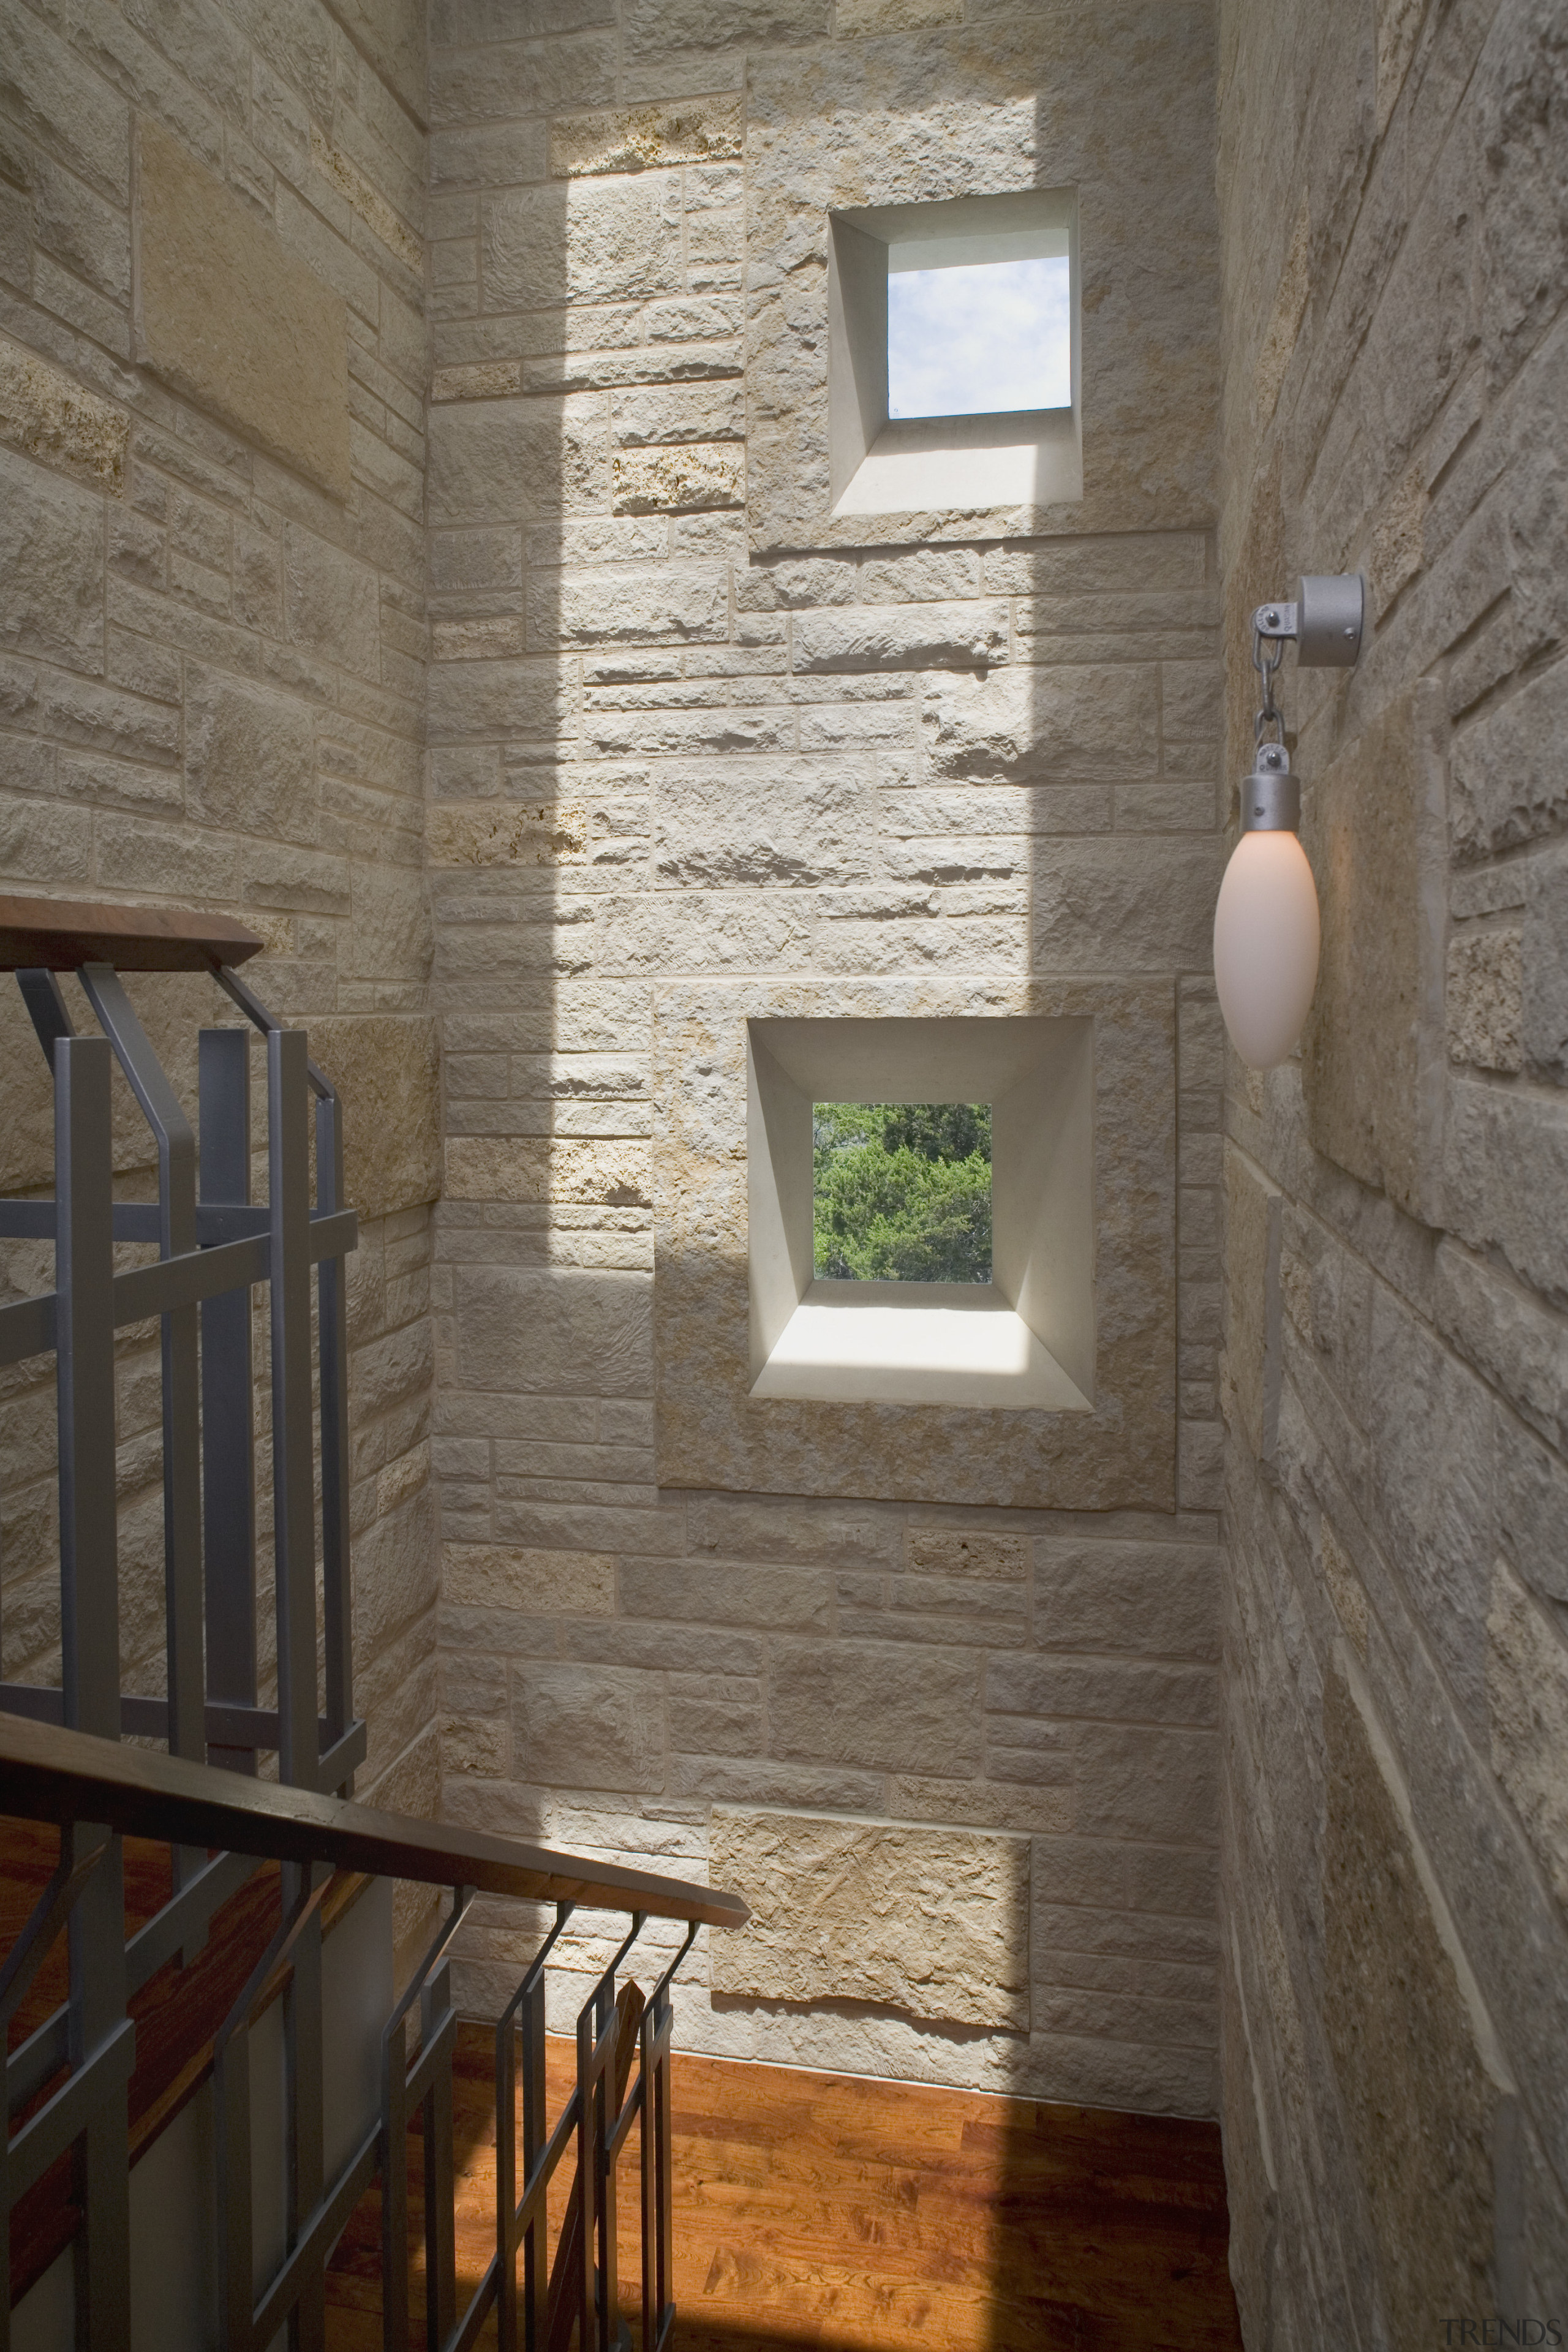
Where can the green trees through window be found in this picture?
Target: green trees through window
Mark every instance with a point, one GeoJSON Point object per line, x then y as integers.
{"type": "Point", "coordinates": [901, 1191]}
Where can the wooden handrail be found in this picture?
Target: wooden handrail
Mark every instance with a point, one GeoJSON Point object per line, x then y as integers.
{"type": "Point", "coordinates": [50, 1774]}
{"type": "Point", "coordinates": [63, 934]}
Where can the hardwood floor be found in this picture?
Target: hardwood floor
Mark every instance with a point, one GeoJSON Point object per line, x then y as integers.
{"type": "Point", "coordinates": [813, 2212]}
{"type": "Point", "coordinates": [824, 2212]}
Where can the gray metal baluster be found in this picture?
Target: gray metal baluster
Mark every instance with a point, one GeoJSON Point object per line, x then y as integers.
{"type": "Point", "coordinates": [288, 1182]}
{"type": "Point", "coordinates": [332, 1292]}
{"type": "Point", "coordinates": [440, 2231]}
{"type": "Point", "coordinates": [394, 2187]}
{"type": "Point", "coordinates": [90, 1631]}
{"type": "Point", "coordinates": [588, 2136]}
{"type": "Point", "coordinates": [182, 1440]}
{"type": "Point", "coordinates": [606, 2116]}
{"type": "Point", "coordinates": [506, 2182]}
{"type": "Point", "coordinates": [228, 1449]}
{"type": "Point", "coordinates": [657, 2094]}
{"type": "Point", "coordinates": [302, 2031]}
{"type": "Point", "coordinates": [658, 2189]}
{"type": "Point", "coordinates": [299, 1751]}
{"type": "Point", "coordinates": [535, 2132]}
{"type": "Point", "coordinates": [231, 2133]}
{"type": "Point", "coordinates": [649, 2136]}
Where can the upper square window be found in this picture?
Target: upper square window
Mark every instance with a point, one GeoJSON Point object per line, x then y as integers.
{"type": "Point", "coordinates": [979, 338]}
{"type": "Point", "coordinates": [953, 359]}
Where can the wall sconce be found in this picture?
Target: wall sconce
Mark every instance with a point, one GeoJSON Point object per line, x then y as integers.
{"type": "Point", "coordinates": [1265, 929]}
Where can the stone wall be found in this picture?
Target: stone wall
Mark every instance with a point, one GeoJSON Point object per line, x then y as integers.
{"type": "Point", "coordinates": [695, 743]}
{"type": "Point", "coordinates": [214, 359]}
{"type": "Point", "coordinates": [1395, 1838]}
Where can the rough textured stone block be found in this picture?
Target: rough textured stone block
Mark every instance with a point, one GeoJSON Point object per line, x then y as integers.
{"type": "Point", "coordinates": [854, 19]}
{"type": "Point", "coordinates": [641, 138]}
{"type": "Point", "coordinates": [538, 1583]}
{"type": "Point", "coordinates": [230, 317]}
{"type": "Point", "coordinates": [1486, 998]}
{"type": "Point", "coordinates": [919, 637]}
{"type": "Point", "coordinates": [588, 1726]}
{"type": "Point", "coordinates": [609, 1172]}
{"type": "Point", "coordinates": [1154, 1782]}
{"type": "Point", "coordinates": [1543, 955]}
{"type": "Point", "coordinates": [892, 1706]}
{"type": "Point", "coordinates": [683, 604]}
{"type": "Point", "coordinates": [649, 413]}
{"type": "Point", "coordinates": [1125, 905]}
{"type": "Point", "coordinates": [367, 200]}
{"type": "Point", "coordinates": [1509, 780]}
{"type": "Point", "coordinates": [743, 822]}
{"type": "Point", "coordinates": [507, 833]}
{"type": "Point", "coordinates": [1285, 318]}
{"type": "Point", "coordinates": [1372, 1054]}
{"type": "Point", "coordinates": [1505, 1162]}
{"type": "Point", "coordinates": [563, 1334]}
{"type": "Point", "coordinates": [654, 28]}
{"type": "Point", "coordinates": [51, 565]}
{"type": "Point", "coordinates": [585, 242]}
{"type": "Point", "coordinates": [250, 758]}
{"type": "Point", "coordinates": [48, 416]}
{"type": "Point", "coordinates": [961, 1552]}
{"type": "Point", "coordinates": [1503, 1329]}
{"type": "Point", "coordinates": [1017, 725]}
{"type": "Point", "coordinates": [932, 1922]}
{"type": "Point", "coordinates": [684, 480]}
{"type": "Point", "coordinates": [1162, 1599]}
{"type": "Point", "coordinates": [387, 1071]}
{"type": "Point", "coordinates": [1345, 1587]}
{"type": "Point", "coordinates": [496, 459]}
{"type": "Point", "coordinates": [1527, 1694]}
{"type": "Point", "coordinates": [392, 34]}
{"type": "Point", "coordinates": [332, 601]}
{"type": "Point", "coordinates": [1428, 2103]}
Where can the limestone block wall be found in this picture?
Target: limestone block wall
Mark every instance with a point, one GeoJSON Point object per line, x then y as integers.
{"type": "Point", "coordinates": [213, 357]}
{"type": "Point", "coordinates": [1396, 1837]}
{"type": "Point", "coordinates": [697, 752]}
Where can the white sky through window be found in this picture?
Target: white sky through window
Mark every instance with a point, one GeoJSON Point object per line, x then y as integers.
{"type": "Point", "coordinates": [979, 338]}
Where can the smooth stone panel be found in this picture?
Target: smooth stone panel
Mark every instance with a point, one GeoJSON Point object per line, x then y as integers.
{"type": "Point", "coordinates": [233, 319]}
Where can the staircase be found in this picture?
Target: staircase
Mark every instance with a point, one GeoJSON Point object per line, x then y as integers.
{"type": "Point", "coordinates": [207, 2073]}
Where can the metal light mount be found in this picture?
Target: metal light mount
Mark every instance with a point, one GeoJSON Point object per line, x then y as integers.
{"type": "Point", "coordinates": [1326, 620]}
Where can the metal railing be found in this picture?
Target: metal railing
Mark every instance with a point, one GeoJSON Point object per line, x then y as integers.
{"type": "Point", "coordinates": [623, 2053]}
{"type": "Point", "coordinates": [67, 2081]}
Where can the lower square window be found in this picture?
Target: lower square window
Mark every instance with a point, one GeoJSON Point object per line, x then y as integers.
{"type": "Point", "coordinates": [907, 1243]}
{"type": "Point", "coordinates": [901, 1191]}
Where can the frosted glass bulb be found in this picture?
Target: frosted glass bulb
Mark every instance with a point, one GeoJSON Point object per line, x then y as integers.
{"type": "Point", "coordinates": [1266, 938]}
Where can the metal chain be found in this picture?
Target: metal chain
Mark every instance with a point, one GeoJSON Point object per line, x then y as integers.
{"type": "Point", "coordinates": [1270, 715]}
